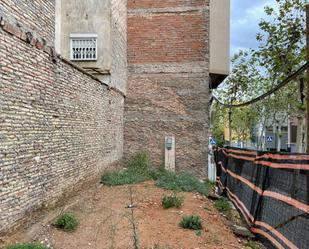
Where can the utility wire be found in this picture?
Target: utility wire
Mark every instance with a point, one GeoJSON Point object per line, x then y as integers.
{"type": "Point", "coordinates": [276, 88]}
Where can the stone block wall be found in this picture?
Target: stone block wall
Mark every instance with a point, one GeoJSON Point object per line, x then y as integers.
{"type": "Point", "coordinates": [59, 126]}
{"type": "Point", "coordinates": [168, 86]}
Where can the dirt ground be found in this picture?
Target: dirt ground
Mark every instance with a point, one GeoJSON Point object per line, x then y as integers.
{"type": "Point", "coordinates": [107, 221]}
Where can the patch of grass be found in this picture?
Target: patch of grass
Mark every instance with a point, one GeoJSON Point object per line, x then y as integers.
{"type": "Point", "coordinates": [193, 222]}
{"type": "Point", "coordinates": [27, 246]}
{"type": "Point", "coordinates": [252, 244]}
{"type": "Point", "coordinates": [169, 201]}
{"type": "Point", "coordinates": [138, 170]}
{"type": "Point", "coordinates": [210, 184]}
{"type": "Point", "coordinates": [183, 181]}
{"type": "Point", "coordinates": [67, 222]}
{"type": "Point", "coordinates": [223, 206]}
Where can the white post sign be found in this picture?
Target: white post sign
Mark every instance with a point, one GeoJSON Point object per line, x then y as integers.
{"type": "Point", "coordinates": [170, 160]}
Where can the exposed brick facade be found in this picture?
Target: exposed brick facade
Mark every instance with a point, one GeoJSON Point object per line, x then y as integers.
{"type": "Point", "coordinates": [37, 16]}
{"type": "Point", "coordinates": [168, 87]}
{"type": "Point", "coordinates": [58, 125]}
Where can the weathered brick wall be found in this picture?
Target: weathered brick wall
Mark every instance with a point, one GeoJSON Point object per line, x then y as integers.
{"type": "Point", "coordinates": [34, 15]}
{"type": "Point", "coordinates": [58, 125]}
{"type": "Point", "coordinates": [168, 87]}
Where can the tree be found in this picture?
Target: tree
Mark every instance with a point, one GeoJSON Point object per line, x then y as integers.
{"type": "Point", "coordinates": [281, 50]}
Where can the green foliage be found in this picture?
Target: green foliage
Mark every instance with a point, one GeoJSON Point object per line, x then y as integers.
{"type": "Point", "coordinates": [27, 246]}
{"type": "Point", "coordinates": [169, 201]}
{"type": "Point", "coordinates": [193, 222]}
{"type": "Point", "coordinates": [182, 181]}
{"type": "Point", "coordinates": [281, 50]}
{"type": "Point", "coordinates": [223, 206]}
{"type": "Point", "coordinates": [252, 244]}
{"type": "Point", "coordinates": [138, 170]}
{"type": "Point", "coordinates": [139, 163]}
{"type": "Point", "coordinates": [127, 176]}
{"type": "Point", "coordinates": [67, 222]}
{"type": "Point", "coordinates": [198, 233]}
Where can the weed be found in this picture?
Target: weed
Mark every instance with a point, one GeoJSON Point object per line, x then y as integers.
{"type": "Point", "coordinates": [252, 244]}
{"type": "Point", "coordinates": [27, 246]}
{"type": "Point", "coordinates": [138, 170]}
{"type": "Point", "coordinates": [172, 201]}
{"type": "Point", "coordinates": [193, 222]}
{"type": "Point", "coordinates": [223, 206]}
{"type": "Point", "coordinates": [139, 163]}
{"type": "Point", "coordinates": [198, 233]}
{"type": "Point", "coordinates": [210, 184]}
{"type": "Point", "coordinates": [183, 181]}
{"type": "Point", "coordinates": [67, 222]}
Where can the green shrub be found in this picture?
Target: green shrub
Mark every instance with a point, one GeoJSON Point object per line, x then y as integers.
{"type": "Point", "coordinates": [27, 246]}
{"type": "Point", "coordinates": [138, 170]}
{"type": "Point", "coordinates": [223, 205]}
{"type": "Point", "coordinates": [252, 244]}
{"type": "Point", "coordinates": [140, 163]}
{"type": "Point", "coordinates": [67, 222]}
{"type": "Point", "coordinates": [191, 222]}
{"type": "Point", "coordinates": [172, 201]}
{"type": "Point", "coordinates": [182, 181]}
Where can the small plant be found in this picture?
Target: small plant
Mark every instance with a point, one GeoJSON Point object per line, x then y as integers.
{"type": "Point", "coordinates": [140, 163]}
{"type": "Point", "coordinates": [223, 206]}
{"type": "Point", "coordinates": [252, 244]}
{"type": "Point", "coordinates": [193, 222]}
{"type": "Point", "coordinates": [27, 246]}
{"type": "Point", "coordinates": [183, 181]}
{"type": "Point", "coordinates": [138, 170]}
{"type": "Point", "coordinates": [198, 233]}
{"type": "Point", "coordinates": [67, 222]}
{"type": "Point", "coordinates": [172, 201]}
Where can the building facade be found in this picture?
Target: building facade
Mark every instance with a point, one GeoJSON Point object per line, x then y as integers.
{"type": "Point", "coordinates": [59, 125]}
{"type": "Point", "coordinates": [67, 107]}
{"type": "Point", "coordinates": [177, 52]}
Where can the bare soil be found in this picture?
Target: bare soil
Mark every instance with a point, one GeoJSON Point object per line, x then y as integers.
{"type": "Point", "coordinates": [130, 217]}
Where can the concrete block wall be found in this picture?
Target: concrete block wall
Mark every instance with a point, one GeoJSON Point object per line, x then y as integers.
{"type": "Point", "coordinates": [168, 86]}
{"type": "Point", "coordinates": [58, 125]}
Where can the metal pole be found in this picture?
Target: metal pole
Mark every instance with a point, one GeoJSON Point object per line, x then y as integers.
{"type": "Point", "coordinates": [307, 38]}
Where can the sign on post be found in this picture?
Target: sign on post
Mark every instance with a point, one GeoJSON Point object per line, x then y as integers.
{"type": "Point", "coordinates": [269, 139]}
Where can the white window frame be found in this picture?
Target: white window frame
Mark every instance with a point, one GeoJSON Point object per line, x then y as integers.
{"type": "Point", "coordinates": [84, 36]}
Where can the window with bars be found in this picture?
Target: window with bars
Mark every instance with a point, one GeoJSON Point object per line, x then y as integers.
{"type": "Point", "coordinates": [83, 47]}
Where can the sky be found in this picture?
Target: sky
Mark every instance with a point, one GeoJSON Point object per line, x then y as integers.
{"type": "Point", "coordinates": [246, 15]}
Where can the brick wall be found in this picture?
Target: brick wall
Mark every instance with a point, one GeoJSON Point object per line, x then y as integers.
{"type": "Point", "coordinates": [168, 87]}
{"type": "Point", "coordinates": [58, 125]}
{"type": "Point", "coordinates": [37, 16]}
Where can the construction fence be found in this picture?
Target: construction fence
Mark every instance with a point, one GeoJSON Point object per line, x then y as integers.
{"type": "Point", "coordinates": [271, 190]}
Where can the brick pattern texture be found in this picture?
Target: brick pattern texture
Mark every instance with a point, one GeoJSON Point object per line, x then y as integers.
{"type": "Point", "coordinates": [36, 16]}
{"type": "Point", "coordinates": [58, 125]}
{"type": "Point", "coordinates": [168, 86]}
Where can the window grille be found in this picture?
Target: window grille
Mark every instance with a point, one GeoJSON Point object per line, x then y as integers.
{"type": "Point", "coordinates": [83, 47]}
